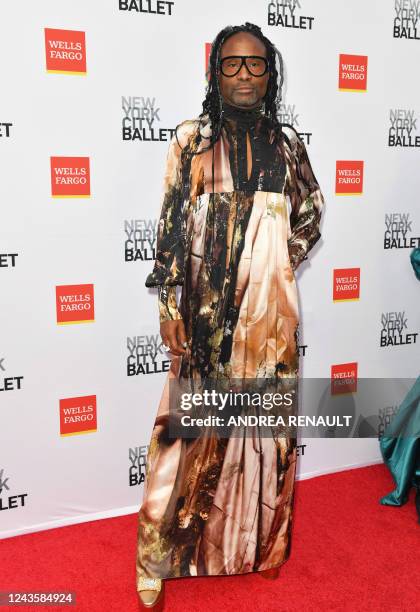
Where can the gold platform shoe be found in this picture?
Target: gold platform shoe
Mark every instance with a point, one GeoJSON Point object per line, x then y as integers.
{"type": "Point", "coordinates": [151, 593]}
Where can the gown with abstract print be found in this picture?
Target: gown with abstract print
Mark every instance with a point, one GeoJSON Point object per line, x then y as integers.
{"type": "Point", "coordinates": [236, 221]}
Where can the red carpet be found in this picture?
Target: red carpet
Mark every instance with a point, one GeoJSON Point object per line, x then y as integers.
{"type": "Point", "coordinates": [348, 553]}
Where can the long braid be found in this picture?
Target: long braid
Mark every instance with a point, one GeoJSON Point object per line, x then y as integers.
{"type": "Point", "coordinates": [212, 105]}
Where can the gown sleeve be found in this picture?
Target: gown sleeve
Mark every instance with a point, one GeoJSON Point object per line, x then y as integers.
{"type": "Point", "coordinates": [168, 309]}
{"type": "Point", "coordinates": [170, 241]}
{"type": "Point", "coordinates": [307, 203]}
{"type": "Point", "coordinates": [169, 266]}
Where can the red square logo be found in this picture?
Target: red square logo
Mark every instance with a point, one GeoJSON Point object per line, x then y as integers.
{"type": "Point", "coordinates": [207, 51]}
{"type": "Point", "coordinates": [78, 415]}
{"type": "Point", "coordinates": [346, 284]}
{"type": "Point", "coordinates": [344, 378]}
{"type": "Point", "coordinates": [65, 51]}
{"type": "Point", "coordinates": [70, 177]}
{"type": "Point", "coordinates": [352, 72]}
{"type": "Point", "coordinates": [75, 304]}
{"type": "Point", "coordinates": [349, 177]}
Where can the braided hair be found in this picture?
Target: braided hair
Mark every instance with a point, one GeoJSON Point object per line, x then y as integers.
{"type": "Point", "coordinates": [213, 103]}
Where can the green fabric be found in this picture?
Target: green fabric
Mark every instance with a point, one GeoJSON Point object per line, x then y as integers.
{"type": "Point", "coordinates": [400, 444]}
{"type": "Point", "coordinates": [415, 262]}
{"type": "Point", "coordinates": [400, 448]}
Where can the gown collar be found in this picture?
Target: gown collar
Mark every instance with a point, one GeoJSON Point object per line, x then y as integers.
{"type": "Point", "coordinates": [242, 115]}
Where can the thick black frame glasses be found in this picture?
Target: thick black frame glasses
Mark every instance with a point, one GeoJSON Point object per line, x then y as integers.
{"type": "Point", "coordinates": [248, 64]}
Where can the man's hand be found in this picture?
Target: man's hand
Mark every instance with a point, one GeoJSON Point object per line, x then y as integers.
{"type": "Point", "coordinates": [173, 335]}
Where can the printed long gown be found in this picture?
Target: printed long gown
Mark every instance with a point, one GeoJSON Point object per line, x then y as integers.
{"type": "Point", "coordinates": [236, 221]}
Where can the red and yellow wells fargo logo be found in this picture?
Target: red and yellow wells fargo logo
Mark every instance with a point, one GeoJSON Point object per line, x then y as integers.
{"type": "Point", "coordinates": [78, 415]}
{"type": "Point", "coordinates": [349, 177]}
{"type": "Point", "coordinates": [352, 72]}
{"type": "Point", "coordinates": [70, 177]}
{"type": "Point", "coordinates": [346, 284]}
{"type": "Point", "coordinates": [65, 51]}
{"type": "Point", "coordinates": [344, 378]}
{"type": "Point", "coordinates": [75, 304]}
{"type": "Point", "coordinates": [207, 51]}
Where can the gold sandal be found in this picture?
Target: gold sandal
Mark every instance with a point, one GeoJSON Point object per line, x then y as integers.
{"type": "Point", "coordinates": [151, 584]}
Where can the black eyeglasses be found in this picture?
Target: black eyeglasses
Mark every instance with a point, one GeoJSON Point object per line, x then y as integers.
{"type": "Point", "coordinates": [256, 65]}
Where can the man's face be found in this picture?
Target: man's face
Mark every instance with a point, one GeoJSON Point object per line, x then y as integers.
{"type": "Point", "coordinates": [243, 89]}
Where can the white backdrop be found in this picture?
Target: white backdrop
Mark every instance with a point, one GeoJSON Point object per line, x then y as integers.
{"type": "Point", "coordinates": [49, 479]}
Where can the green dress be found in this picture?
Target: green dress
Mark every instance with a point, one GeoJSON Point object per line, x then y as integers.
{"type": "Point", "coordinates": [400, 445]}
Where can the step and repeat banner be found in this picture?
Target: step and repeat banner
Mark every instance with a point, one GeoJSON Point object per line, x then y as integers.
{"type": "Point", "coordinates": [91, 94]}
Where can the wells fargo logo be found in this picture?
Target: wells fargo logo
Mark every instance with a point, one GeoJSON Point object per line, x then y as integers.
{"type": "Point", "coordinates": [75, 304]}
{"type": "Point", "coordinates": [344, 378]}
{"type": "Point", "coordinates": [65, 51]}
{"type": "Point", "coordinates": [349, 177]}
{"type": "Point", "coordinates": [70, 177]}
{"type": "Point", "coordinates": [78, 415]}
{"type": "Point", "coordinates": [207, 51]}
{"type": "Point", "coordinates": [352, 72]}
{"type": "Point", "coordinates": [346, 284]}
